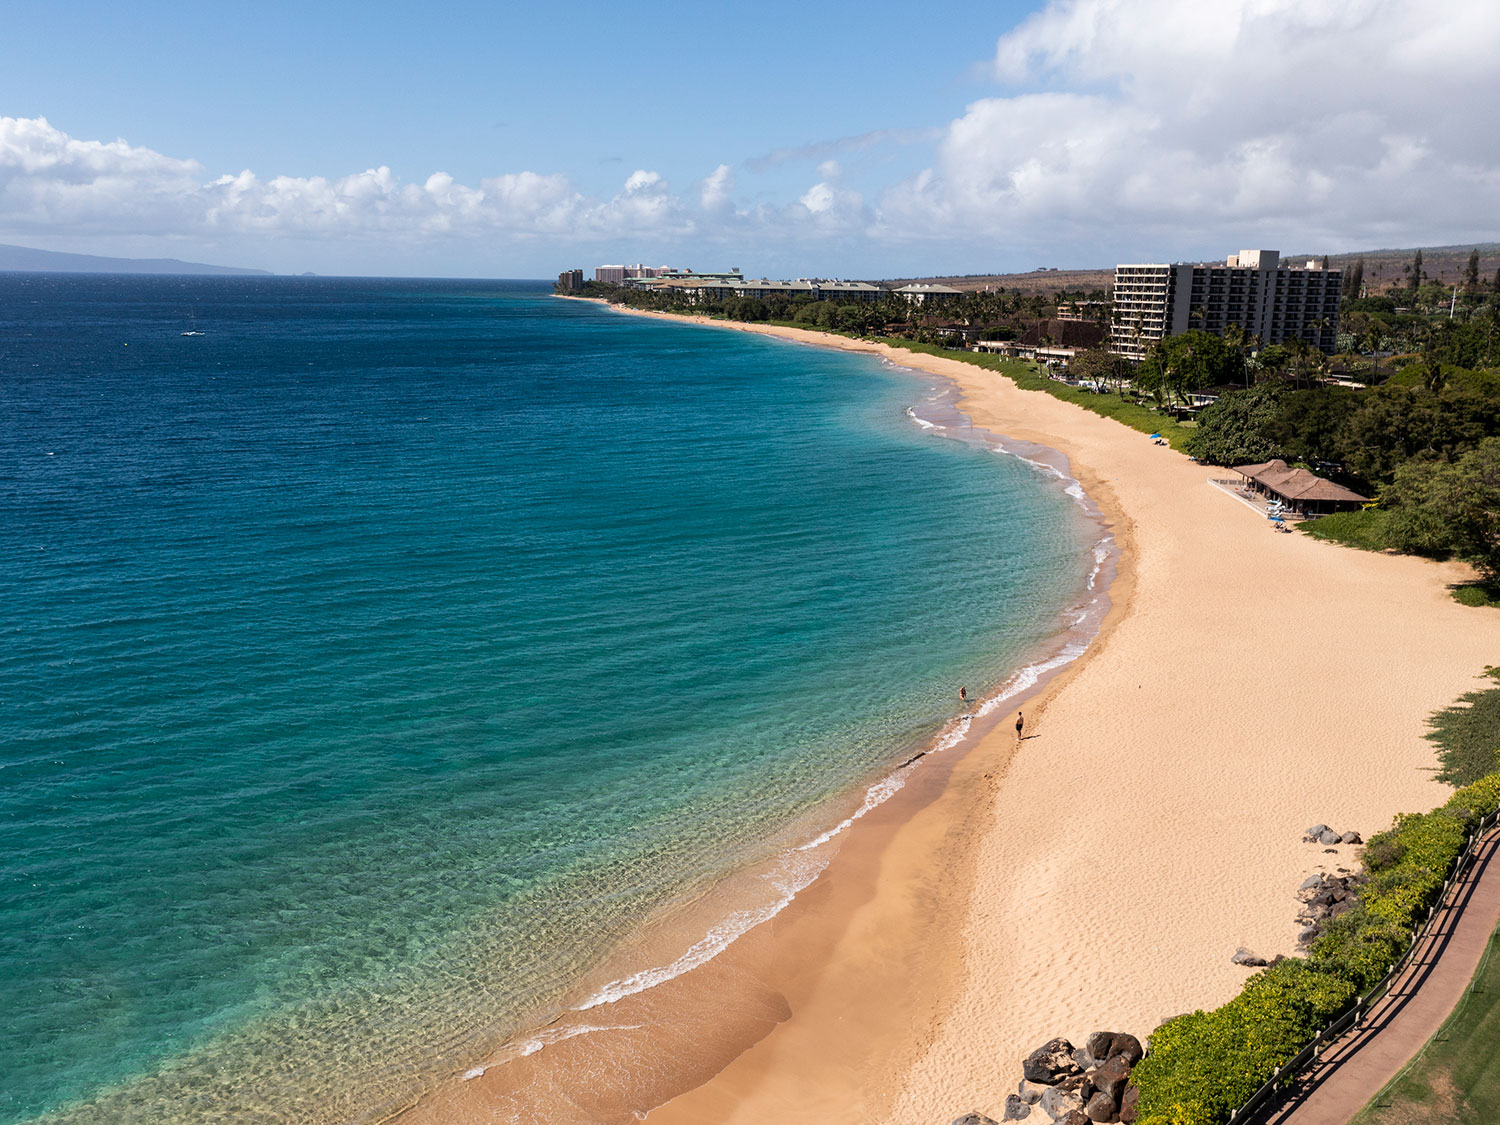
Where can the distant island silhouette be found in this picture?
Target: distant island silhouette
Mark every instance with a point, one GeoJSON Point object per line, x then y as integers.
{"type": "Point", "coordinates": [28, 260]}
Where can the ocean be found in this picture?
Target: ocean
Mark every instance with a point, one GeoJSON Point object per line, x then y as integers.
{"type": "Point", "coordinates": [379, 655]}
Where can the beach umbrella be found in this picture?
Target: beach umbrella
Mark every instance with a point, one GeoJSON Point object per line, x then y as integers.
{"type": "Point", "coordinates": [1154, 435]}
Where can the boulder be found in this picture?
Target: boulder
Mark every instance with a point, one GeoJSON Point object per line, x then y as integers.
{"type": "Point", "coordinates": [1050, 1063]}
{"type": "Point", "coordinates": [1329, 836]}
{"type": "Point", "coordinates": [1127, 1104]}
{"type": "Point", "coordinates": [1314, 832]}
{"type": "Point", "coordinates": [1110, 1078]}
{"type": "Point", "coordinates": [1101, 1107]}
{"type": "Point", "coordinates": [978, 1119]}
{"type": "Point", "coordinates": [1307, 935]}
{"type": "Point", "coordinates": [1351, 838]}
{"type": "Point", "coordinates": [1243, 956]}
{"type": "Point", "coordinates": [1310, 886]}
{"type": "Point", "coordinates": [1076, 1117]}
{"type": "Point", "coordinates": [1077, 1084]}
{"type": "Point", "coordinates": [1015, 1108]}
{"type": "Point", "coordinates": [1128, 1047]}
{"type": "Point", "coordinates": [1057, 1104]}
{"type": "Point", "coordinates": [1030, 1092]}
{"type": "Point", "coordinates": [1085, 1060]}
{"type": "Point", "coordinates": [1107, 1044]}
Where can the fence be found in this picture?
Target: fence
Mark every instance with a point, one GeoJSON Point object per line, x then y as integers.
{"type": "Point", "coordinates": [1288, 1071]}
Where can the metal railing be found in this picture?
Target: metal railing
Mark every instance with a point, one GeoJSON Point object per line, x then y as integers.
{"type": "Point", "coordinates": [1288, 1071]}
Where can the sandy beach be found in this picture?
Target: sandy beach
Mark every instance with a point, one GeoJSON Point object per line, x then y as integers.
{"type": "Point", "coordinates": [1101, 873]}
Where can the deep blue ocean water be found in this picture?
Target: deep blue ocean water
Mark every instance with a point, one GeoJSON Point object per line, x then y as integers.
{"type": "Point", "coordinates": [372, 663]}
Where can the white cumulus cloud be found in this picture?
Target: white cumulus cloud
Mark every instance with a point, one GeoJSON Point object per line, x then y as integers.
{"type": "Point", "coordinates": [1305, 121]}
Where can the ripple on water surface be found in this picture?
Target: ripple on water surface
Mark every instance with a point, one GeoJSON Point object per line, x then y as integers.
{"type": "Point", "coordinates": [384, 656]}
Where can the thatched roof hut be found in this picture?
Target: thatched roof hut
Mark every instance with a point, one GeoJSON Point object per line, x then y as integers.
{"type": "Point", "coordinates": [1299, 489]}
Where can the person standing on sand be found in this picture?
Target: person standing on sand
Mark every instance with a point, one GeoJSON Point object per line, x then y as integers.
{"type": "Point", "coordinates": [1020, 722]}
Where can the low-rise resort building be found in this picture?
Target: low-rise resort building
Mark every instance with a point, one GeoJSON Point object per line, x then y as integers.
{"type": "Point", "coordinates": [1300, 492]}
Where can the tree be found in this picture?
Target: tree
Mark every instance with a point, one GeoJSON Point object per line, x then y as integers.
{"type": "Point", "coordinates": [1439, 508]}
{"type": "Point", "coordinates": [1356, 278]}
{"type": "Point", "coordinates": [1308, 423]}
{"type": "Point", "coordinates": [1234, 430]}
{"type": "Point", "coordinates": [1497, 281]}
{"type": "Point", "coordinates": [1095, 365]}
{"type": "Point", "coordinates": [1191, 361]}
{"type": "Point", "coordinates": [1471, 272]}
{"type": "Point", "coordinates": [1416, 272]}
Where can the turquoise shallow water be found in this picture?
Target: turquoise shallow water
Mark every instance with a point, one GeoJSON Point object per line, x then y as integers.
{"type": "Point", "coordinates": [375, 661]}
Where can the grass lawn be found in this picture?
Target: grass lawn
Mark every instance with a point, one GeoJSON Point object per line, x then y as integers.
{"type": "Point", "coordinates": [1111, 405]}
{"type": "Point", "coordinates": [1365, 530]}
{"type": "Point", "coordinates": [1456, 1079]}
{"type": "Point", "coordinates": [1467, 735]}
{"type": "Point", "coordinates": [1477, 593]}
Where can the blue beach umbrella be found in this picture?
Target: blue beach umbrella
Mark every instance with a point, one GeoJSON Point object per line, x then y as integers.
{"type": "Point", "coordinates": [1154, 435]}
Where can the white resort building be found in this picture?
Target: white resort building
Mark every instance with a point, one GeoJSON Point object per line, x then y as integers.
{"type": "Point", "coordinates": [919, 293]}
{"type": "Point", "coordinates": [1253, 289]}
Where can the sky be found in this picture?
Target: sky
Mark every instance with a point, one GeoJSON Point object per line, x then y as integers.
{"type": "Point", "coordinates": [872, 139]}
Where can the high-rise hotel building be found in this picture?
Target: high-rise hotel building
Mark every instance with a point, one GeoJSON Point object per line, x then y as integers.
{"type": "Point", "coordinates": [1253, 289]}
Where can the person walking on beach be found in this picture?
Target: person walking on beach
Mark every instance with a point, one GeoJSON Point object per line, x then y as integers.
{"type": "Point", "coordinates": [1020, 722]}
{"type": "Point", "coordinates": [963, 694]}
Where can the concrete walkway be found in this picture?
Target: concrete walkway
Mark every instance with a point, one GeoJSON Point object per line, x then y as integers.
{"type": "Point", "coordinates": [1355, 1068]}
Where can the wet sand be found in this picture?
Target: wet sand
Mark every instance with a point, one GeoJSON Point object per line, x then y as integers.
{"type": "Point", "coordinates": [1097, 875]}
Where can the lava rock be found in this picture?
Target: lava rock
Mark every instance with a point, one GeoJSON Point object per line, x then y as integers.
{"type": "Point", "coordinates": [1105, 1045]}
{"type": "Point", "coordinates": [1084, 1060]}
{"type": "Point", "coordinates": [1015, 1108]}
{"type": "Point", "coordinates": [1351, 838]}
{"type": "Point", "coordinates": [1050, 1063]}
{"type": "Point", "coordinates": [1077, 1084]}
{"type": "Point", "coordinates": [1057, 1104]}
{"type": "Point", "coordinates": [1310, 886]}
{"type": "Point", "coordinates": [1128, 1103]}
{"type": "Point", "coordinates": [978, 1119]}
{"type": "Point", "coordinates": [1110, 1078]}
{"type": "Point", "coordinates": [1307, 935]}
{"type": "Point", "coordinates": [1243, 956]}
{"type": "Point", "coordinates": [1030, 1092]}
{"type": "Point", "coordinates": [1329, 836]}
{"type": "Point", "coordinates": [1076, 1117]}
{"type": "Point", "coordinates": [1314, 832]}
{"type": "Point", "coordinates": [1101, 1107]}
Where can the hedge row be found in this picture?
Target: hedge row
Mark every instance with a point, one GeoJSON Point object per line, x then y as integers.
{"type": "Point", "coordinates": [1200, 1068]}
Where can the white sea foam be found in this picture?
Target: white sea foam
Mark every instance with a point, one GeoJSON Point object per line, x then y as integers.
{"type": "Point", "coordinates": [923, 422]}
{"type": "Point", "coordinates": [535, 1043]}
{"type": "Point", "coordinates": [797, 873]}
{"type": "Point", "coordinates": [875, 796]}
{"type": "Point", "coordinates": [547, 1038]}
{"type": "Point", "coordinates": [1028, 677]}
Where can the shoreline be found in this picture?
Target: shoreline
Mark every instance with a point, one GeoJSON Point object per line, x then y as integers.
{"type": "Point", "coordinates": [1059, 886]}
{"type": "Point", "coordinates": [534, 1069]}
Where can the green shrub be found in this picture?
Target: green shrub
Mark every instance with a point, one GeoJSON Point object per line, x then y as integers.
{"type": "Point", "coordinates": [1359, 947]}
{"type": "Point", "coordinates": [1202, 1067]}
{"type": "Point", "coordinates": [1481, 798]}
